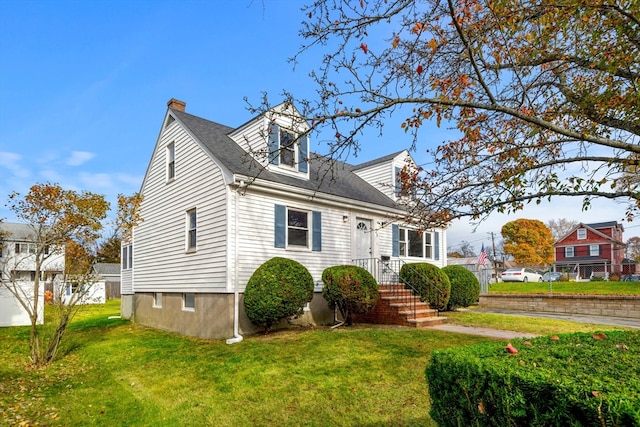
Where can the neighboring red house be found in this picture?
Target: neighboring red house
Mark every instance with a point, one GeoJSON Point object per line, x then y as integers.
{"type": "Point", "coordinates": [592, 250]}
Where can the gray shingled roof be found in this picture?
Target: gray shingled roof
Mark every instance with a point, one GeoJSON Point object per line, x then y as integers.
{"type": "Point", "coordinates": [17, 232]}
{"type": "Point", "coordinates": [325, 175]}
{"type": "Point", "coordinates": [107, 268]}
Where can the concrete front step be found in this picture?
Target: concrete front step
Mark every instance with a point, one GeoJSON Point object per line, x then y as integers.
{"type": "Point", "coordinates": [427, 321]}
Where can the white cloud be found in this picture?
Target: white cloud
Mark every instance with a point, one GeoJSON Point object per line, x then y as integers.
{"type": "Point", "coordinates": [94, 181]}
{"type": "Point", "coordinates": [79, 157]}
{"type": "Point", "coordinates": [11, 161]}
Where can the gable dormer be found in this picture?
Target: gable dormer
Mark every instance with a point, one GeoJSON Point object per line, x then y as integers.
{"type": "Point", "coordinates": [392, 175]}
{"type": "Point", "coordinates": [278, 139]}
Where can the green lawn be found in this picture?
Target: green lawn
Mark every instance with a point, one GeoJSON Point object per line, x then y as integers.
{"type": "Point", "coordinates": [575, 288]}
{"type": "Point", "coordinates": [112, 372]}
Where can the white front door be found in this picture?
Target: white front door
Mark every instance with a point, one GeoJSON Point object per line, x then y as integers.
{"type": "Point", "coordinates": [363, 238]}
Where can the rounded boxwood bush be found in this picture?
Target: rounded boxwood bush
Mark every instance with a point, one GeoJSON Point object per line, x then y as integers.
{"type": "Point", "coordinates": [429, 281]}
{"type": "Point", "coordinates": [278, 289]}
{"type": "Point", "coordinates": [465, 287]}
{"type": "Point", "coordinates": [350, 288]}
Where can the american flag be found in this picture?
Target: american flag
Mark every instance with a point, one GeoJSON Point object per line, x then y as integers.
{"type": "Point", "coordinates": [482, 259]}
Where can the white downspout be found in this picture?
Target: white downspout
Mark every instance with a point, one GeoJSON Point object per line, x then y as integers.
{"type": "Point", "coordinates": [236, 292]}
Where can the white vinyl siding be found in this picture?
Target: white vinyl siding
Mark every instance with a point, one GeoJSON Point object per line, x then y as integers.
{"type": "Point", "coordinates": [256, 212]}
{"type": "Point", "coordinates": [161, 262]}
{"type": "Point", "coordinates": [380, 176]}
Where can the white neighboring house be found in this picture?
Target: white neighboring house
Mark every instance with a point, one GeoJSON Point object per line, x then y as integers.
{"type": "Point", "coordinates": [97, 294]}
{"type": "Point", "coordinates": [17, 259]}
{"type": "Point", "coordinates": [220, 201]}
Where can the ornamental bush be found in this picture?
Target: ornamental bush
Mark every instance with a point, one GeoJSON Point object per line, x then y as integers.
{"type": "Point", "coordinates": [580, 379]}
{"type": "Point", "coordinates": [429, 281]}
{"type": "Point", "coordinates": [465, 287]}
{"type": "Point", "coordinates": [278, 289]}
{"type": "Point", "coordinates": [350, 288]}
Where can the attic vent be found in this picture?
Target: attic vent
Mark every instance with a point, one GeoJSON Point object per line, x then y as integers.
{"type": "Point", "coordinates": [170, 120]}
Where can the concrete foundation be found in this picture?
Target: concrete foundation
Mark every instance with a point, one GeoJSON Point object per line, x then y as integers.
{"type": "Point", "coordinates": [212, 317]}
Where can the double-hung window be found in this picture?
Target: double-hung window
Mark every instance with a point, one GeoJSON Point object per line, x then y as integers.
{"type": "Point", "coordinates": [297, 228]}
{"type": "Point", "coordinates": [288, 150]}
{"type": "Point", "coordinates": [127, 257]}
{"type": "Point", "coordinates": [569, 252]}
{"type": "Point", "coordinates": [582, 233]}
{"type": "Point", "coordinates": [171, 161]}
{"type": "Point", "coordinates": [191, 230]}
{"type": "Point", "coordinates": [594, 250]}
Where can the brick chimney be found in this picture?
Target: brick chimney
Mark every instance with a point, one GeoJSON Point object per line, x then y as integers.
{"type": "Point", "coordinates": [176, 104]}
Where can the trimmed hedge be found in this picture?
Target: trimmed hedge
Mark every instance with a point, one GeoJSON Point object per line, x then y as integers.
{"type": "Point", "coordinates": [431, 283]}
{"type": "Point", "coordinates": [350, 288]}
{"type": "Point", "coordinates": [465, 287]}
{"type": "Point", "coordinates": [579, 379]}
{"type": "Point", "coordinates": [278, 289]}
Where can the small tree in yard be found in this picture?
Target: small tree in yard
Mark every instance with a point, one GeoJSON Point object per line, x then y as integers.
{"type": "Point", "coordinates": [465, 287]}
{"type": "Point", "coordinates": [278, 289]}
{"type": "Point", "coordinates": [350, 288]}
{"type": "Point", "coordinates": [55, 217]}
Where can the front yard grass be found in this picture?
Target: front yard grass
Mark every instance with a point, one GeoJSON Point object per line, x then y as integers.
{"type": "Point", "coordinates": [566, 288]}
{"type": "Point", "coordinates": [112, 372]}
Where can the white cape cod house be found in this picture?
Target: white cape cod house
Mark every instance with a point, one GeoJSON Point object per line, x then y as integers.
{"type": "Point", "coordinates": [220, 201]}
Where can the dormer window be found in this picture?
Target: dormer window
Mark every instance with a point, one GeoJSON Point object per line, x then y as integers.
{"type": "Point", "coordinates": [288, 149]}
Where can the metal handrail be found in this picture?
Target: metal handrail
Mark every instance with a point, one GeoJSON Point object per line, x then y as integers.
{"type": "Point", "coordinates": [387, 272]}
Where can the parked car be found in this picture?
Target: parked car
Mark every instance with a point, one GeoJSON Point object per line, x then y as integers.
{"type": "Point", "coordinates": [551, 276]}
{"type": "Point", "coordinates": [520, 275]}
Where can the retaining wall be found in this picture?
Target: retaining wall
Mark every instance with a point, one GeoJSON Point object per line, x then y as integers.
{"type": "Point", "coordinates": [595, 305]}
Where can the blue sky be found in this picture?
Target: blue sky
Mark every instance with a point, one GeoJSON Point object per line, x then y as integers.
{"type": "Point", "coordinates": [84, 87]}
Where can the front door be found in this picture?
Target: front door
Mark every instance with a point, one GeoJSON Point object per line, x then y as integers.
{"type": "Point", "coordinates": [363, 238]}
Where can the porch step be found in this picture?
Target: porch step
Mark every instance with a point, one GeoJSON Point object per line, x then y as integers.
{"type": "Point", "coordinates": [425, 322]}
{"type": "Point", "coordinates": [399, 306]}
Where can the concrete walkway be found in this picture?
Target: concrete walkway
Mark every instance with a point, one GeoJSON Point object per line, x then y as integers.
{"type": "Point", "coordinates": [506, 335]}
{"type": "Point", "coordinates": [485, 332]}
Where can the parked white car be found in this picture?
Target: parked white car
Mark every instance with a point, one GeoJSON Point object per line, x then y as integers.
{"type": "Point", "coordinates": [520, 275]}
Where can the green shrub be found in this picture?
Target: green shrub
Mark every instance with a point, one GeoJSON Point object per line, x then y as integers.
{"type": "Point", "coordinates": [465, 287]}
{"type": "Point", "coordinates": [350, 288]}
{"type": "Point", "coordinates": [278, 289]}
{"type": "Point", "coordinates": [597, 279]}
{"type": "Point", "coordinates": [580, 379]}
{"type": "Point", "coordinates": [429, 281]}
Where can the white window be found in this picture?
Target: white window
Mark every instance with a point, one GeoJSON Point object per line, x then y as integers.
{"type": "Point", "coordinates": [297, 228]}
{"type": "Point", "coordinates": [415, 243]}
{"type": "Point", "coordinates": [287, 148]}
{"type": "Point", "coordinates": [568, 252]}
{"type": "Point", "coordinates": [157, 299]}
{"type": "Point", "coordinates": [127, 257]}
{"type": "Point", "coordinates": [171, 161]}
{"type": "Point", "coordinates": [191, 230]}
{"type": "Point", "coordinates": [582, 233]}
{"type": "Point", "coordinates": [189, 302]}
{"type": "Point", "coordinates": [594, 250]}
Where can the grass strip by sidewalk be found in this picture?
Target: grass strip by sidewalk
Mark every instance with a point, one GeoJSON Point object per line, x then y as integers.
{"type": "Point", "coordinates": [567, 288]}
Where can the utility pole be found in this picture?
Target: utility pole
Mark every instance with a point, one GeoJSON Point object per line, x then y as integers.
{"type": "Point", "coordinates": [495, 265]}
